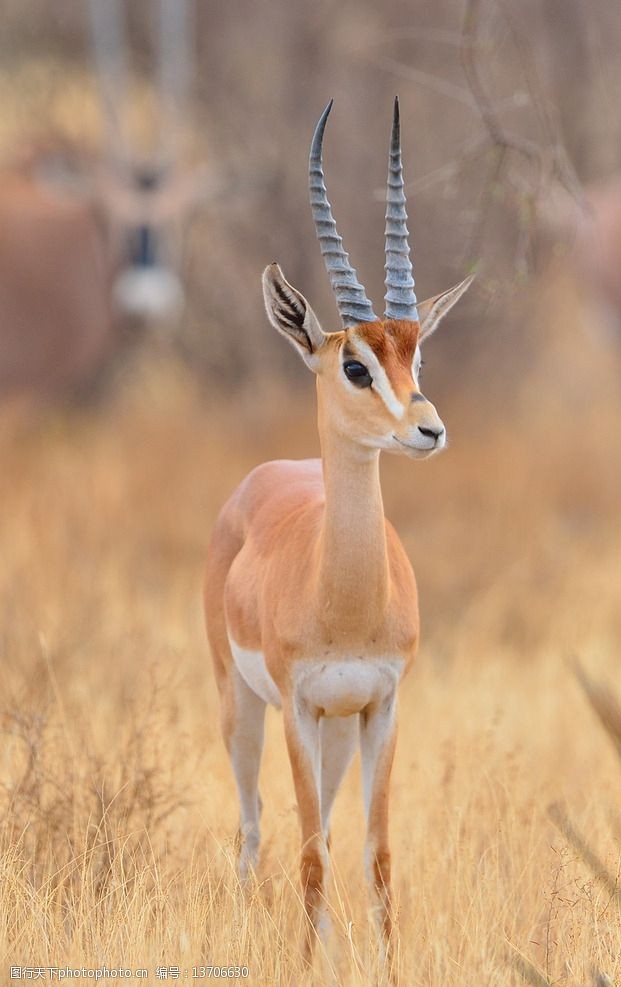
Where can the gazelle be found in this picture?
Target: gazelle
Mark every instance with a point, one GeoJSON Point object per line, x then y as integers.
{"type": "Point", "coordinates": [76, 260]}
{"type": "Point", "coordinates": [310, 598]}
{"type": "Point", "coordinates": [91, 243]}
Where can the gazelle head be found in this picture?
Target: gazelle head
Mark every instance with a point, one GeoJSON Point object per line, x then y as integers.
{"type": "Point", "coordinates": [368, 372]}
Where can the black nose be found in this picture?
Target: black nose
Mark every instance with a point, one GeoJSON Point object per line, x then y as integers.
{"type": "Point", "coordinates": [430, 433]}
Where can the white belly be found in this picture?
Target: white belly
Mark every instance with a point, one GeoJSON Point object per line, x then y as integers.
{"type": "Point", "coordinates": [346, 686]}
{"type": "Point", "coordinates": [340, 687]}
{"type": "Point", "coordinates": [251, 666]}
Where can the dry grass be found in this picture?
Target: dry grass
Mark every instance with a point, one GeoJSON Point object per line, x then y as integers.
{"type": "Point", "coordinates": [117, 807]}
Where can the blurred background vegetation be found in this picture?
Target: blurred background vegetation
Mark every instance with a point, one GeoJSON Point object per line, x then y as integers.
{"type": "Point", "coordinates": [259, 75]}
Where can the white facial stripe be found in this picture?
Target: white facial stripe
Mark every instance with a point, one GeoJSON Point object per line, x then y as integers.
{"type": "Point", "coordinates": [381, 384]}
{"type": "Point", "coordinates": [416, 362]}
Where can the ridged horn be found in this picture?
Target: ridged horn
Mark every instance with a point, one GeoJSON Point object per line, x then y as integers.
{"type": "Point", "coordinates": [351, 299]}
{"type": "Point", "coordinates": [400, 297]}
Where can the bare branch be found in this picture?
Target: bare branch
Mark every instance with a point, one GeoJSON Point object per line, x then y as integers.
{"type": "Point", "coordinates": [426, 79]}
{"type": "Point", "coordinates": [603, 702]}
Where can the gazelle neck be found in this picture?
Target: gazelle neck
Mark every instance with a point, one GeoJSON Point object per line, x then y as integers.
{"type": "Point", "coordinates": [353, 561]}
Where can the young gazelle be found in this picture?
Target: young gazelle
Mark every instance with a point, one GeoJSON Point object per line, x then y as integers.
{"type": "Point", "coordinates": [310, 598]}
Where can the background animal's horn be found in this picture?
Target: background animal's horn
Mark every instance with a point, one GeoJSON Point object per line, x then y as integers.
{"type": "Point", "coordinates": [351, 299]}
{"type": "Point", "coordinates": [400, 297]}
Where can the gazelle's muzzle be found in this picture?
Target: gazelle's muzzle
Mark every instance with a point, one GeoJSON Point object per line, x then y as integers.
{"type": "Point", "coordinates": [422, 435]}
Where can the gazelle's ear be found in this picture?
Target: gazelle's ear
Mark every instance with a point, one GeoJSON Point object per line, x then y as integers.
{"type": "Point", "coordinates": [432, 310]}
{"type": "Point", "coordinates": [290, 313]}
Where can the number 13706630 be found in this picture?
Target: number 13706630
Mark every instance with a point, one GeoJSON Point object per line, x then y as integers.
{"type": "Point", "coordinates": [220, 972]}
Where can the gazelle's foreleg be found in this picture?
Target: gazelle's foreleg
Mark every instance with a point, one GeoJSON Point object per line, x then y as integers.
{"type": "Point", "coordinates": [377, 745]}
{"type": "Point", "coordinates": [303, 744]}
{"type": "Point", "coordinates": [339, 739]}
{"type": "Point", "coordinates": [243, 718]}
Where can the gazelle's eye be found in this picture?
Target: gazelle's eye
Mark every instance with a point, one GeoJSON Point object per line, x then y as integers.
{"type": "Point", "coordinates": [357, 373]}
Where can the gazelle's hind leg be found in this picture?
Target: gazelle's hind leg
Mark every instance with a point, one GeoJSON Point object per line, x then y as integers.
{"type": "Point", "coordinates": [242, 711]}
{"type": "Point", "coordinates": [377, 746]}
{"type": "Point", "coordinates": [243, 719]}
{"type": "Point", "coordinates": [339, 738]}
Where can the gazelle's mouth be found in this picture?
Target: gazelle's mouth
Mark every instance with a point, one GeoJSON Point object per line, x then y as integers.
{"type": "Point", "coordinates": [419, 450]}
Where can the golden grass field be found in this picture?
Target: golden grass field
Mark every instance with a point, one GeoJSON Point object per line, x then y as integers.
{"type": "Point", "coordinates": [117, 806]}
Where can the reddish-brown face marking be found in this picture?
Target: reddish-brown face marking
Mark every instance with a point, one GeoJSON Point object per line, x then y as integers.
{"type": "Point", "coordinates": [394, 344]}
{"type": "Point", "coordinates": [391, 339]}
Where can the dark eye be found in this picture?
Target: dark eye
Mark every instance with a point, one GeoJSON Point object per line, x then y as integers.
{"type": "Point", "coordinates": [357, 373]}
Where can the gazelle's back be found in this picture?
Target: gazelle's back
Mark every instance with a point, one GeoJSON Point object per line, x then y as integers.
{"type": "Point", "coordinates": [270, 493]}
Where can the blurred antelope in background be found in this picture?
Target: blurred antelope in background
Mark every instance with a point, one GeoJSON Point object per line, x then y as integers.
{"type": "Point", "coordinates": [311, 601]}
{"type": "Point", "coordinates": [88, 242]}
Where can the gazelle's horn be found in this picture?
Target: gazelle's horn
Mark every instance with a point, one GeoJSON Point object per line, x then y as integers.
{"type": "Point", "coordinates": [400, 297]}
{"type": "Point", "coordinates": [353, 304]}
